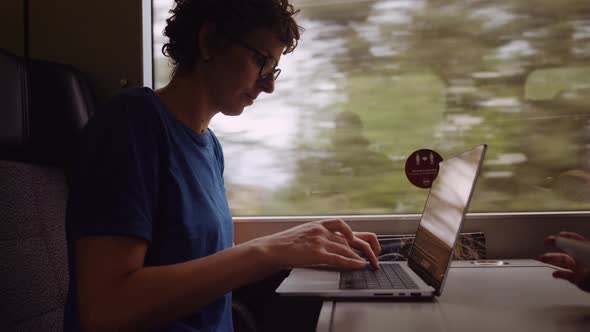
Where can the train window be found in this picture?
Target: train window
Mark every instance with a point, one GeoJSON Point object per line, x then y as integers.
{"type": "Point", "coordinates": [373, 81]}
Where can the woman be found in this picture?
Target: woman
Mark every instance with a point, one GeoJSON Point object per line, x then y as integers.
{"type": "Point", "coordinates": [148, 225]}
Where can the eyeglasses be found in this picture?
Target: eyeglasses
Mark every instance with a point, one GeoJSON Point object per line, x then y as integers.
{"type": "Point", "coordinates": [268, 64]}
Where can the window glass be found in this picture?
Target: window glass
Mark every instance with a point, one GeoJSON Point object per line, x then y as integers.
{"type": "Point", "coordinates": [373, 81]}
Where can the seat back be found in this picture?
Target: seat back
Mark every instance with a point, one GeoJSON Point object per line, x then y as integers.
{"type": "Point", "coordinates": [43, 107]}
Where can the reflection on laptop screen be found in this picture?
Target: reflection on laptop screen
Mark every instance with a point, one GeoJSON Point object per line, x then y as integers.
{"type": "Point", "coordinates": [443, 214]}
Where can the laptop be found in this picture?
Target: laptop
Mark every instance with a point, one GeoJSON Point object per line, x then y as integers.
{"type": "Point", "coordinates": [423, 274]}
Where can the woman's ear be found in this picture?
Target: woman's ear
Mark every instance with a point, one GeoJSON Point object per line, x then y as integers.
{"type": "Point", "coordinates": [207, 41]}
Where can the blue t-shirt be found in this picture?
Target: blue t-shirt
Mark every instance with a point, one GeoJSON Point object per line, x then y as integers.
{"type": "Point", "coordinates": [143, 173]}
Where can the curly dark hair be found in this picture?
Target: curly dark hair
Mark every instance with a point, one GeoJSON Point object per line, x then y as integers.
{"type": "Point", "coordinates": [231, 18]}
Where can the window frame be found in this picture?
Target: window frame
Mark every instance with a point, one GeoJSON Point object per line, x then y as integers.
{"type": "Point", "coordinates": [147, 39]}
{"type": "Point", "coordinates": [521, 239]}
{"type": "Point", "coordinates": [509, 235]}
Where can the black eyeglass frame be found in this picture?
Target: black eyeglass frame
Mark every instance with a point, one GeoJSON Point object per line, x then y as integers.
{"type": "Point", "coordinates": [275, 72]}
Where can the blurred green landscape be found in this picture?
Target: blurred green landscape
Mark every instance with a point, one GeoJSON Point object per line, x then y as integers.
{"type": "Point", "coordinates": [373, 81]}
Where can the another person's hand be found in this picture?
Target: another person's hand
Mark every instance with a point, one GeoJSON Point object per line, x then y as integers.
{"type": "Point", "coordinates": [329, 242]}
{"type": "Point", "coordinates": [573, 271]}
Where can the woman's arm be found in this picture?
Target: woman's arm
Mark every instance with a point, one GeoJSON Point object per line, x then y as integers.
{"type": "Point", "coordinates": [116, 292]}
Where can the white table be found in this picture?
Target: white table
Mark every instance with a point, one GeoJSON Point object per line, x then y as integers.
{"type": "Point", "coordinates": [520, 296]}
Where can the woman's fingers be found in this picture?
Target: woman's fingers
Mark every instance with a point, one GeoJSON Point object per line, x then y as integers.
{"type": "Point", "coordinates": [338, 238]}
{"type": "Point", "coordinates": [558, 259]}
{"type": "Point", "coordinates": [565, 274]}
{"type": "Point", "coordinates": [370, 238]}
{"type": "Point", "coordinates": [582, 278]}
{"type": "Point", "coordinates": [366, 249]}
{"type": "Point", "coordinates": [550, 240]}
{"type": "Point", "coordinates": [338, 226]}
{"type": "Point", "coordinates": [340, 233]}
{"type": "Point", "coordinates": [344, 262]}
{"type": "Point", "coordinates": [573, 272]}
{"type": "Point", "coordinates": [342, 250]}
{"type": "Point", "coordinates": [572, 235]}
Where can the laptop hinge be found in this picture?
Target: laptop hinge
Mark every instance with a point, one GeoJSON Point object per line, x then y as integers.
{"type": "Point", "coordinates": [424, 275]}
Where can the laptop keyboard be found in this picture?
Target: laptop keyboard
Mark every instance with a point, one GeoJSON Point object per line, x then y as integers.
{"type": "Point", "coordinates": [390, 276]}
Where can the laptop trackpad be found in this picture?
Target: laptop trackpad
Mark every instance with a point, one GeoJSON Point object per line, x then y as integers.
{"type": "Point", "coordinates": [313, 279]}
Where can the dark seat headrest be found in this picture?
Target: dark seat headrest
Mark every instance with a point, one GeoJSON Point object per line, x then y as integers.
{"type": "Point", "coordinates": [44, 107]}
{"type": "Point", "coordinates": [13, 101]}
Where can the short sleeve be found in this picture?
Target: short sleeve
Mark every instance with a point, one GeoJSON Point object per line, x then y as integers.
{"type": "Point", "coordinates": [114, 185]}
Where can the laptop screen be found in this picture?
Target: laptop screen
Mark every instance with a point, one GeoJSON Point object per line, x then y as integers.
{"type": "Point", "coordinates": [443, 215]}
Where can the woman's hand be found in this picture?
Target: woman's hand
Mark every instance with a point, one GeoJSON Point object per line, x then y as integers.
{"type": "Point", "coordinates": [573, 271]}
{"type": "Point", "coordinates": [329, 242]}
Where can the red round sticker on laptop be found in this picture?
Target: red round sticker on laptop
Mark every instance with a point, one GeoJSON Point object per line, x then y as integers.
{"type": "Point", "coordinates": [422, 167]}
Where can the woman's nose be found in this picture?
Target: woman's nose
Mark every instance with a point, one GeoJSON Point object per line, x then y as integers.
{"type": "Point", "coordinates": [267, 84]}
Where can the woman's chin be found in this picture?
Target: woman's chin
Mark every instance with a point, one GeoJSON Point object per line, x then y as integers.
{"type": "Point", "coordinates": [234, 111]}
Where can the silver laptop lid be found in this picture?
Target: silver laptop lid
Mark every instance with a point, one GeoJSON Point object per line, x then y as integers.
{"type": "Point", "coordinates": [442, 218]}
